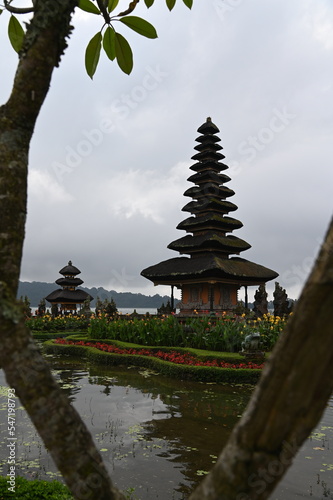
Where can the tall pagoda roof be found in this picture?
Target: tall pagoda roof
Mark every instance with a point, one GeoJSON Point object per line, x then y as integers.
{"type": "Point", "coordinates": [209, 245]}
{"type": "Point", "coordinates": [208, 267]}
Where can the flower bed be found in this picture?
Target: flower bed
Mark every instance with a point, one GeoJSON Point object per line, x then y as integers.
{"type": "Point", "coordinates": [224, 334]}
{"type": "Point", "coordinates": [212, 367]}
{"type": "Point", "coordinates": [182, 358]}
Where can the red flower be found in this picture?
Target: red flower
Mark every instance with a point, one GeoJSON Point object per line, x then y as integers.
{"type": "Point", "coordinates": [172, 356]}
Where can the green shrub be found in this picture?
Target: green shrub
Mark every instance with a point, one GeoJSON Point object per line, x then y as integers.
{"type": "Point", "coordinates": [220, 334]}
{"type": "Point", "coordinates": [224, 334]}
{"type": "Point", "coordinates": [180, 371]}
{"type": "Point", "coordinates": [34, 490]}
{"type": "Point", "coordinates": [60, 323]}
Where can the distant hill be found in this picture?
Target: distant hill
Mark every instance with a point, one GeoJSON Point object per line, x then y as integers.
{"type": "Point", "coordinates": [38, 290]}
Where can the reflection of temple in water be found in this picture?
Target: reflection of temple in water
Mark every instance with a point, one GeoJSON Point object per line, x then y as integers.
{"type": "Point", "coordinates": [189, 422]}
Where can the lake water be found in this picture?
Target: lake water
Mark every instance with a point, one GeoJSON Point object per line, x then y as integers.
{"type": "Point", "coordinates": [121, 310]}
{"type": "Point", "coordinates": [158, 435]}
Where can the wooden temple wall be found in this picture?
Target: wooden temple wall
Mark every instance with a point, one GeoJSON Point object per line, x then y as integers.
{"type": "Point", "coordinates": [196, 297]}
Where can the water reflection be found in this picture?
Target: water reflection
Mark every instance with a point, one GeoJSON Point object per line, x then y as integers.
{"type": "Point", "coordinates": [160, 435]}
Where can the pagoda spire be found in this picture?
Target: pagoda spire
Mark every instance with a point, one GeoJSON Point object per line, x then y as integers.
{"type": "Point", "coordinates": [211, 276]}
{"type": "Point", "coordinates": [209, 206]}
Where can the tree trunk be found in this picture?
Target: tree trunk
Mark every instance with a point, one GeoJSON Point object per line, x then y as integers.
{"type": "Point", "coordinates": [62, 430]}
{"type": "Point", "coordinates": [288, 401]}
{"type": "Point", "coordinates": [296, 382]}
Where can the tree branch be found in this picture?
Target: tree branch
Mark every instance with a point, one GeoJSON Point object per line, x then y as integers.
{"type": "Point", "coordinates": [63, 432]}
{"type": "Point", "coordinates": [288, 401]}
{"type": "Point", "coordinates": [18, 10]}
{"type": "Point", "coordinates": [103, 9]}
{"type": "Point", "coordinates": [130, 9]}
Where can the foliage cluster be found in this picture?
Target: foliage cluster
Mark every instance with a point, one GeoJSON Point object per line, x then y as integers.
{"type": "Point", "coordinates": [114, 44]}
{"type": "Point", "coordinates": [48, 323]}
{"type": "Point", "coordinates": [32, 490]}
{"type": "Point", "coordinates": [218, 334]}
{"type": "Point", "coordinates": [224, 334]}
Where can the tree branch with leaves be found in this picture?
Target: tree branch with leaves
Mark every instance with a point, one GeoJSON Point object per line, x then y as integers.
{"type": "Point", "coordinates": [40, 48]}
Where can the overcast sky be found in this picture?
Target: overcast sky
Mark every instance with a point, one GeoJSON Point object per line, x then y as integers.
{"type": "Point", "coordinates": [110, 158]}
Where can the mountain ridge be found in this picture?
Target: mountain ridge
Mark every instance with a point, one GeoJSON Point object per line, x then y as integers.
{"type": "Point", "coordinates": [37, 290]}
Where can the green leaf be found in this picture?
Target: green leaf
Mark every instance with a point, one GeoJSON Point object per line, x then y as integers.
{"type": "Point", "coordinates": [124, 54]}
{"type": "Point", "coordinates": [149, 3]}
{"type": "Point", "coordinates": [139, 25]}
{"type": "Point", "coordinates": [88, 6]}
{"type": "Point", "coordinates": [188, 3]}
{"type": "Point", "coordinates": [15, 33]}
{"type": "Point", "coordinates": [109, 44]}
{"type": "Point", "coordinates": [112, 5]}
{"type": "Point", "coordinates": [93, 51]}
{"type": "Point", "coordinates": [170, 4]}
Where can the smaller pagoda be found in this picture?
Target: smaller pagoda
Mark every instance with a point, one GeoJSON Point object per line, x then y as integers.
{"type": "Point", "coordinates": [68, 297]}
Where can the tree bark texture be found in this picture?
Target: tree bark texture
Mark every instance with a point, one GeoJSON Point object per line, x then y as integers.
{"type": "Point", "coordinates": [61, 428]}
{"type": "Point", "coordinates": [296, 382]}
{"type": "Point", "coordinates": [288, 401]}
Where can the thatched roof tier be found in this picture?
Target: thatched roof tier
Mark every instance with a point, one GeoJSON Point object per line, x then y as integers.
{"type": "Point", "coordinates": [210, 267]}
{"type": "Point", "coordinates": [68, 296]}
{"type": "Point", "coordinates": [69, 270]}
{"type": "Point", "coordinates": [208, 155]}
{"type": "Point", "coordinates": [209, 241]}
{"type": "Point", "coordinates": [213, 204]}
{"type": "Point", "coordinates": [208, 139]}
{"type": "Point", "coordinates": [208, 164]}
{"type": "Point", "coordinates": [208, 145]}
{"type": "Point", "coordinates": [208, 176]}
{"type": "Point", "coordinates": [210, 221]}
{"type": "Point", "coordinates": [208, 128]}
{"type": "Point", "coordinates": [209, 189]}
{"type": "Point", "coordinates": [69, 281]}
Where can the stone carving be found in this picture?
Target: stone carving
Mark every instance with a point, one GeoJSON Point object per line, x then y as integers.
{"type": "Point", "coordinates": [281, 302]}
{"type": "Point", "coordinates": [260, 301]}
{"type": "Point", "coordinates": [252, 343]}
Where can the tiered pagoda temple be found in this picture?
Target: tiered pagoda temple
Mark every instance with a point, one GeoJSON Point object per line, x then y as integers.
{"type": "Point", "coordinates": [210, 278]}
{"type": "Point", "coordinates": [68, 297]}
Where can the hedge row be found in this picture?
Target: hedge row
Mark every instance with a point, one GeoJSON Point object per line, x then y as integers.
{"type": "Point", "coordinates": [185, 372]}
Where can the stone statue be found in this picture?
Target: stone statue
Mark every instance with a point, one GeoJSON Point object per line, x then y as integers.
{"type": "Point", "coordinates": [252, 343]}
{"type": "Point", "coordinates": [260, 301]}
{"type": "Point", "coordinates": [281, 303]}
